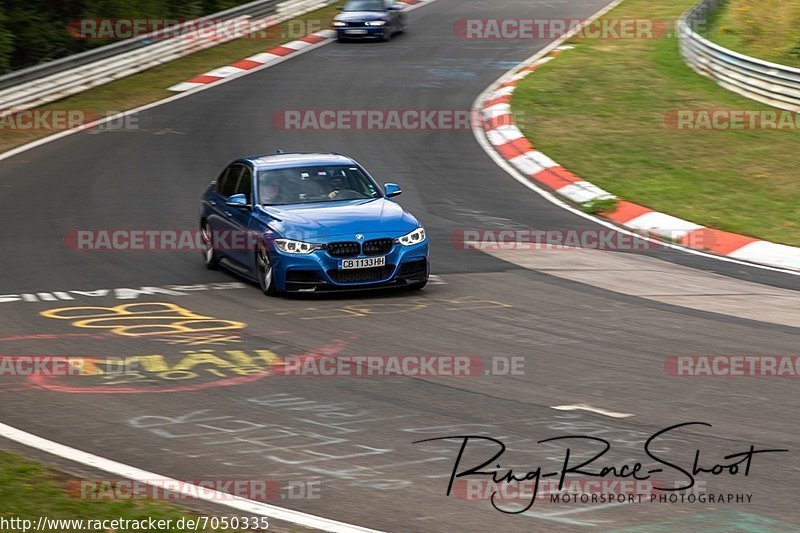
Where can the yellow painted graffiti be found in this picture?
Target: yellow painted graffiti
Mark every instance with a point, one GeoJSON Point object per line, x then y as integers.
{"type": "Point", "coordinates": [191, 365]}
{"type": "Point", "coordinates": [181, 325]}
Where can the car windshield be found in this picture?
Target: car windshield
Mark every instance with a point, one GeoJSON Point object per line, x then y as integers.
{"type": "Point", "coordinates": [314, 184]}
{"type": "Point", "coordinates": [364, 5]}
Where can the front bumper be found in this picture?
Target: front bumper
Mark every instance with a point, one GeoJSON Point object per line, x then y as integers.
{"type": "Point", "coordinates": [360, 32]}
{"type": "Point", "coordinates": [318, 271]}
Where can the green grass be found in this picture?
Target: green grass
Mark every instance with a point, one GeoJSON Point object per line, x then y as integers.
{"type": "Point", "coordinates": [29, 491]}
{"type": "Point", "coordinates": [151, 85]}
{"type": "Point", "coordinates": [598, 206]}
{"type": "Point", "coordinates": [599, 110]}
{"type": "Point", "coordinates": [767, 29]}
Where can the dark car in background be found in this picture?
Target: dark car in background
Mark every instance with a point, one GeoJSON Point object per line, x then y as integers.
{"type": "Point", "coordinates": [369, 19]}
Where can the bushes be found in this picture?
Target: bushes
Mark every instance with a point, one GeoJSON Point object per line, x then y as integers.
{"type": "Point", "coordinates": [767, 29]}
{"type": "Point", "coordinates": [32, 31]}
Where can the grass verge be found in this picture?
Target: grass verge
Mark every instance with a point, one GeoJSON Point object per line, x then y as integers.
{"type": "Point", "coordinates": [29, 491]}
{"type": "Point", "coordinates": [600, 108]}
{"type": "Point", "coordinates": [151, 85]}
{"type": "Point", "coordinates": [767, 29]}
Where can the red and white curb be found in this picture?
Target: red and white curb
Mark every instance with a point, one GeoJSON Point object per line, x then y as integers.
{"type": "Point", "coordinates": [273, 55]}
{"type": "Point", "coordinates": [511, 144]}
{"type": "Point", "coordinates": [269, 57]}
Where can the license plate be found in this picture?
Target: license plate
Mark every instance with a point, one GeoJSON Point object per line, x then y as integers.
{"type": "Point", "coordinates": [370, 262]}
{"type": "Point", "coordinates": [356, 32]}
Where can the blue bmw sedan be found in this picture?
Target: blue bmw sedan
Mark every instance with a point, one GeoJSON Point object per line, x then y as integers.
{"type": "Point", "coordinates": [369, 19]}
{"type": "Point", "coordinates": [306, 222]}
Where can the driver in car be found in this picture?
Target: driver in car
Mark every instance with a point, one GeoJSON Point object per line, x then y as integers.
{"type": "Point", "coordinates": [271, 193]}
{"type": "Point", "coordinates": [336, 184]}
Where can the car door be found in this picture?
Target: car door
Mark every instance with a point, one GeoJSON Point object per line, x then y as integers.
{"type": "Point", "coordinates": [217, 219]}
{"type": "Point", "coordinates": [235, 221]}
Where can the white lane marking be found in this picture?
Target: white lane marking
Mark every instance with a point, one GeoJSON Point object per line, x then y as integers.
{"type": "Point", "coordinates": [584, 407]}
{"type": "Point", "coordinates": [122, 293]}
{"type": "Point", "coordinates": [187, 489]}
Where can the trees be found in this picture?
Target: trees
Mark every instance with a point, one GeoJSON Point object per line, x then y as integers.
{"type": "Point", "coordinates": [6, 46]}
{"type": "Point", "coordinates": [32, 31]}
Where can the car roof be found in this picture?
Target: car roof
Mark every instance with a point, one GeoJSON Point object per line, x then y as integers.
{"type": "Point", "coordinates": [295, 159]}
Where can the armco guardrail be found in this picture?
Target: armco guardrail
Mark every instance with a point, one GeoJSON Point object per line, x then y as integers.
{"type": "Point", "coordinates": [769, 83]}
{"type": "Point", "coordinates": [57, 79]}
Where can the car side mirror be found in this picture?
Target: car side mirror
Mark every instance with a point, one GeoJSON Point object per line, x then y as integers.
{"type": "Point", "coordinates": [392, 189]}
{"type": "Point", "coordinates": [237, 200]}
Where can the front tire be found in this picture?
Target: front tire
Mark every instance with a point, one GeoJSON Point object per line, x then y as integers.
{"type": "Point", "coordinates": [209, 254]}
{"type": "Point", "coordinates": [266, 275]}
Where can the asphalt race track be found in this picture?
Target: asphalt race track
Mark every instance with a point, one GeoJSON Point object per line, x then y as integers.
{"type": "Point", "coordinates": [583, 339]}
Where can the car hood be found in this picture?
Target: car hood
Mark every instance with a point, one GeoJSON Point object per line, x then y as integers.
{"type": "Point", "coordinates": [318, 222]}
{"type": "Point", "coordinates": [361, 16]}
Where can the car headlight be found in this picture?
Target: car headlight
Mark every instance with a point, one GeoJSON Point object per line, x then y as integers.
{"type": "Point", "coordinates": [338, 23]}
{"type": "Point", "coordinates": [295, 247]}
{"type": "Point", "coordinates": [375, 23]}
{"type": "Point", "coordinates": [415, 237]}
